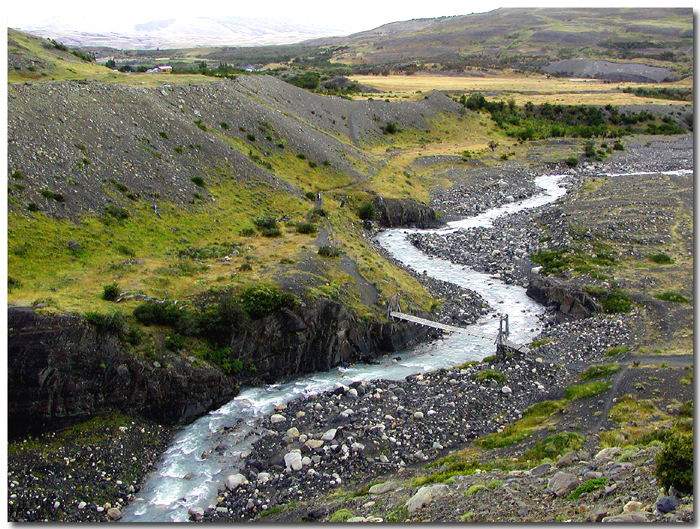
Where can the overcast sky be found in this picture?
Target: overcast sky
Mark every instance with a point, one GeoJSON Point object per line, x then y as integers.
{"type": "Point", "coordinates": [88, 15]}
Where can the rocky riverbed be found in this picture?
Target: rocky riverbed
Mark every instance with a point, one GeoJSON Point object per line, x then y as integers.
{"type": "Point", "coordinates": [362, 430]}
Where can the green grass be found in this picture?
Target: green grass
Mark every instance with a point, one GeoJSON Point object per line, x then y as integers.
{"type": "Point", "coordinates": [533, 418]}
{"type": "Point", "coordinates": [614, 351]}
{"type": "Point", "coordinates": [584, 391]}
{"type": "Point", "coordinates": [673, 297]}
{"type": "Point", "coordinates": [588, 486]}
{"type": "Point", "coordinates": [599, 371]}
{"type": "Point", "coordinates": [341, 515]}
{"type": "Point", "coordinates": [489, 374]}
{"type": "Point", "coordinates": [554, 446]}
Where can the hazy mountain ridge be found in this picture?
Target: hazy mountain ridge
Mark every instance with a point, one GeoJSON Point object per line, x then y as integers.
{"type": "Point", "coordinates": [187, 32]}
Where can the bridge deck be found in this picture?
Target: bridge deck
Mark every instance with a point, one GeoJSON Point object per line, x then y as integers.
{"type": "Point", "coordinates": [436, 325]}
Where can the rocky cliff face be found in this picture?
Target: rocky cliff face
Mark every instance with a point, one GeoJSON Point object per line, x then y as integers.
{"type": "Point", "coordinates": [569, 300]}
{"type": "Point", "coordinates": [392, 212]}
{"type": "Point", "coordinates": [315, 339]}
{"type": "Point", "coordinates": [61, 369]}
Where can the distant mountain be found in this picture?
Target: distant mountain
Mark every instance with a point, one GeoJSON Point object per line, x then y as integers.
{"type": "Point", "coordinates": [187, 33]}
{"type": "Point", "coordinates": [526, 38]}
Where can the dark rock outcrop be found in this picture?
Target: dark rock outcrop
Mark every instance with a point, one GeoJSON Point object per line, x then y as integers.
{"type": "Point", "coordinates": [393, 212]}
{"type": "Point", "coordinates": [62, 369]}
{"type": "Point", "coordinates": [566, 298]}
{"type": "Point", "coordinates": [317, 338]}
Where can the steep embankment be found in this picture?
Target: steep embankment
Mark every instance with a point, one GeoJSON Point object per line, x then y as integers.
{"type": "Point", "coordinates": [98, 144]}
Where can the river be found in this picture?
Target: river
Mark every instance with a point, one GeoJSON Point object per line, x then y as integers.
{"type": "Point", "coordinates": [184, 479]}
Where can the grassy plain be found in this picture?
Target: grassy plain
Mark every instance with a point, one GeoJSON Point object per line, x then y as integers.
{"type": "Point", "coordinates": [522, 88]}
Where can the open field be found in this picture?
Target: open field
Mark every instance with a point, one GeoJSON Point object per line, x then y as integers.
{"type": "Point", "coordinates": [522, 88]}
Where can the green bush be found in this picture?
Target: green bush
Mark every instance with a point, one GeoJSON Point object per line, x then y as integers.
{"type": "Point", "coordinates": [271, 232]}
{"type": "Point", "coordinates": [672, 296]}
{"type": "Point", "coordinates": [50, 195]}
{"type": "Point", "coordinates": [155, 313]}
{"type": "Point", "coordinates": [366, 211]}
{"type": "Point", "coordinates": [107, 323]}
{"type": "Point", "coordinates": [174, 342]}
{"type": "Point", "coordinates": [588, 486]}
{"type": "Point", "coordinates": [116, 212]}
{"type": "Point", "coordinates": [572, 161]}
{"type": "Point", "coordinates": [660, 258]}
{"type": "Point", "coordinates": [328, 251]}
{"type": "Point", "coordinates": [674, 464]}
{"type": "Point", "coordinates": [261, 300]}
{"type": "Point", "coordinates": [552, 261]}
{"type": "Point", "coordinates": [265, 223]}
{"type": "Point", "coordinates": [306, 228]}
{"type": "Point", "coordinates": [600, 371]}
{"type": "Point", "coordinates": [616, 302]}
{"type": "Point", "coordinates": [198, 181]}
{"type": "Point", "coordinates": [110, 292]}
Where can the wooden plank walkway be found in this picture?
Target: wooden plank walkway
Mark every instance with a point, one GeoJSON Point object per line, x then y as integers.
{"type": "Point", "coordinates": [436, 325]}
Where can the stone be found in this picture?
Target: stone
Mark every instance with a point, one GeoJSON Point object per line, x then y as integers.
{"type": "Point", "coordinates": [292, 460]}
{"type": "Point", "coordinates": [628, 517]}
{"type": "Point", "coordinates": [277, 418]}
{"type": "Point", "coordinates": [329, 435]}
{"type": "Point", "coordinates": [418, 415]}
{"type": "Point", "coordinates": [234, 481]}
{"type": "Point", "coordinates": [506, 390]}
{"type": "Point", "coordinates": [425, 495]}
{"type": "Point", "coordinates": [608, 452]}
{"type": "Point", "coordinates": [632, 506]}
{"type": "Point", "coordinates": [314, 443]}
{"type": "Point", "coordinates": [566, 460]}
{"type": "Point", "coordinates": [666, 504]}
{"type": "Point", "coordinates": [293, 432]}
{"type": "Point", "coordinates": [114, 514]}
{"type": "Point", "coordinates": [387, 486]}
{"type": "Point", "coordinates": [562, 483]}
{"type": "Point", "coordinates": [597, 516]}
{"type": "Point", "coordinates": [196, 513]}
{"type": "Point", "coordinates": [541, 470]}
{"type": "Point", "coordinates": [82, 505]}
{"type": "Point", "coordinates": [263, 477]}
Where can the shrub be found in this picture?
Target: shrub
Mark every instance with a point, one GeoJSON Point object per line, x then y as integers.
{"type": "Point", "coordinates": [328, 251]}
{"type": "Point", "coordinates": [366, 211]}
{"type": "Point", "coordinates": [672, 296]}
{"type": "Point", "coordinates": [552, 261]}
{"type": "Point", "coordinates": [572, 161]}
{"type": "Point", "coordinates": [250, 136]}
{"type": "Point", "coordinates": [259, 301]}
{"type": "Point", "coordinates": [599, 371]}
{"type": "Point", "coordinates": [674, 464]}
{"type": "Point", "coordinates": [224, 125]}
{"type": "Point", "coordinates": [110, 292]}
{"type": "Point", "coordinates": [588, 486]}
{"type": "Point", "coordinates": [301, 156]}
{"type": "Point", "coordinates": [155, 313]}
{"type": "Point", "coordinates": [174, 342]}
{"type": "Point", "coordinates": [247, 232]}
{"type": "Point", "coordinates": [390, 128]}
{"type": "Point", "coordinates": [616, 302]}
{"type": "Point", "coordinates": [245, 267]}
{"type": "Point", "coordinates": [198, 181]}
{"type": "Point", "coordinates": [106, 323]}
{"type": "Point", "coordinates": [265, 223]}
{"type": "Point", "coordinates": [271, 232]}
{"type": "Point", "coordinates": [50, 195]}
{"type": "Point", "coordinates": [660, 258]}
{"type": "Point", "coordinates": [306, 228]}
{"type": "Point", "coordinates": [116, 212]}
